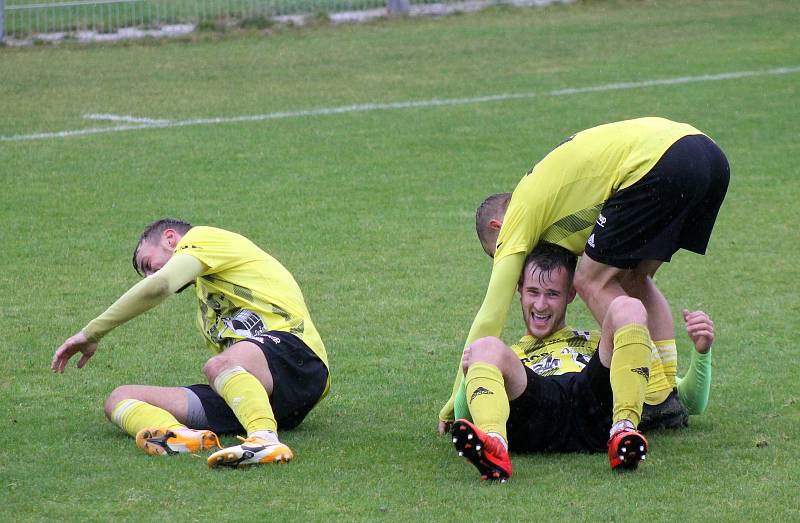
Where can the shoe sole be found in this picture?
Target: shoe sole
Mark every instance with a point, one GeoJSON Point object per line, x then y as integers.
{"type": "Point", "coordinates": [155, 442]}
{"type": "Point", "coordinates": [631, 450]}
{"type": "Point", "coordinates": [469, 446]}
{"type": "Point", "coordinates": [234, 459]}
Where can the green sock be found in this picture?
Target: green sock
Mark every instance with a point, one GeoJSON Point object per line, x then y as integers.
{"type": "Point", "coordinates": [460, 407]}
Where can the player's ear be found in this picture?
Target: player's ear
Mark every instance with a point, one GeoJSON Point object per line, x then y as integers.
{"type": "Point", "coordinates": [495, 224]}
{"type": "Point", "coordinates": [571, 294]}
{"type": "Point", "coordinates": [170, 237]}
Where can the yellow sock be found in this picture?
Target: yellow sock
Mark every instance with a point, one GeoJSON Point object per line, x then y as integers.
{"type": "Point", "coordinates": [487, 398]}
{"type": "Point", "coordinates": [630, 371]}
{"type": "Point", "coordinates": [669, 358]}
{"type": "Point", "coordinates": [247, 399]}
{"type": "Point", "coordinates": [658, 388]}
{"type": "Point", "coordinates": [134, 415]}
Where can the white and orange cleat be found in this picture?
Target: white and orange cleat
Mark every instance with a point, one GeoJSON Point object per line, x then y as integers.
{"type": "Point", "coordinates": [159, 441]}
{"type": "Point", "coordinates": [254, 450]}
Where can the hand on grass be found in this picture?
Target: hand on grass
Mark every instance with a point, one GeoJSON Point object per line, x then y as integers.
{"type": "Point", "coordinates": [74, 344]}
{"type": "Point", "coordinates": [445, 426]}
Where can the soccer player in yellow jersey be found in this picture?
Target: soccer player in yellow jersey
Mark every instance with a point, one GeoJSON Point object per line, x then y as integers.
{"type": "Point", "coordinates": [626, 196]}
{"type": "Point", "coordinates": [552, 392]}
{"type": "Point", "coordinates": [270, 367]}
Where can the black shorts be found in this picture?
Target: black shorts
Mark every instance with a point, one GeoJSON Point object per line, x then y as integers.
{"type": "Point", "coordinates": [299, 378]}
{"type": "Point", "coordinates": [674, 206]}
{"type": "Point", "coordinates": [566, 413]}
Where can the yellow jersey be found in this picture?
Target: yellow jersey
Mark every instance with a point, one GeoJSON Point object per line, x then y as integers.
{"type": "Point", "coordinates": [569, 350]}
{"type": "Point", "coordinates": [244, 292]}
{"type": "Point", "coordinates": [559, 199]}
{"type": "Point", "coordinates": [566, 350]}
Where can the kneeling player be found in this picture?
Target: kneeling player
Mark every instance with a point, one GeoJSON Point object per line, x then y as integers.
{"type": "Point", "coordinates": [553, 390]}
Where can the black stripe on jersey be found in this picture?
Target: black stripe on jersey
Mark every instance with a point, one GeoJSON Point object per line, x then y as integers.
{"type": "Point", "coordinates": [569, 225]}
{"type": "Point", "coordinates": [299, 328]}
{"type": "Point", "coordinates": [243, 292]}
{"type": "Point", "coordinates": [578, 339]}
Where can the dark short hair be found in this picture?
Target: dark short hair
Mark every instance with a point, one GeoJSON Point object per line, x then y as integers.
{"type": "Point", "coordinates": [155, 230]}
{"type": "Point", "coordinates": [488, 210]}
{"type": "Point", "coordinates": [549, 257]}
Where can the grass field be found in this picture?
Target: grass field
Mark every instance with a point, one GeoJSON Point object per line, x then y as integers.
{"type": "Point", "coordinates": [372, 211]}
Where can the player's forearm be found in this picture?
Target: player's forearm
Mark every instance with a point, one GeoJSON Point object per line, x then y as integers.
{"type": "Point", "coordinates": [493, 312]}
{"type": "Point", "coordinates": [695, 387]}
{"type": "Point", "coordinates": [145, 295]}
{"type": "Point", "coordinates": [141, 297]}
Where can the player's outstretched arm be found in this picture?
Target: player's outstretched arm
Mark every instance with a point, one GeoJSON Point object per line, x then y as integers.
{"type": "Point", "coordinates": [146, 294]}
{"type": "Point", "coordinates": [695, 387]}
{"type": "Point", "coordinates": [73, 345]}
{"type": "Point", "coordinates": [488, 322]}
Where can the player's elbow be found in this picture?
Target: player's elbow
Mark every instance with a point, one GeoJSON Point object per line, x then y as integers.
{"type": "Point", "coordinates": [156, 287]}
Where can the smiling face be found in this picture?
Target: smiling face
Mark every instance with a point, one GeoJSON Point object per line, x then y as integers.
{"type": "Point", "coordinates": [544, 296]}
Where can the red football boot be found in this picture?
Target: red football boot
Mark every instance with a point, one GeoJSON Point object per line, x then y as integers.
{"type": "Point", "coordinates": [626, 448]}
{"type": "Point", "coordinates": [487, 453]}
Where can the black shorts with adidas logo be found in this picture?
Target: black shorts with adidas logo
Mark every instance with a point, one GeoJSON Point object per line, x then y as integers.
{"type": "Point", "coordinates": [674, 206]}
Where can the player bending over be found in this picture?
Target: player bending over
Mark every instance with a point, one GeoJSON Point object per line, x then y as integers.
{"type": "Point", "coordinates": [270, 367]}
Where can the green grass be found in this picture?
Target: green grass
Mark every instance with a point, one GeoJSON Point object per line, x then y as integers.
{"type": "Point", "coordinates": [372, 212]}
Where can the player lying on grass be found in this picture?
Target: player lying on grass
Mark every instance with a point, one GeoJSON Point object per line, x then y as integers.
{"type": "Point", "coordinates": [270, 367]}
{"type": "Point", "coordinates": [626, 196]}
{"type": "Point", "coordinates": [558, 389]}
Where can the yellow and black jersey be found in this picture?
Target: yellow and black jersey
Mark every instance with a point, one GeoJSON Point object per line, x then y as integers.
{"type": "Point", "coordinates": [569, 350]}
{"type": "Point", "coordinates": [245, 292]}
{"type": "Point", "coordinates": [560, 199]}
{"type": "Point", "coordinates": [566, 350]}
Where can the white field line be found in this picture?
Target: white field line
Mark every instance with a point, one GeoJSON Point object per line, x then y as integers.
{"type": "Point", "coordinates": [123, 118]}
{"type": "Point", "coordinates": [147, 123]}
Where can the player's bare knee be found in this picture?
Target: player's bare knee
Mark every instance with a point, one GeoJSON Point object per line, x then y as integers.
{"type": "Point", "coordinates": [121, 393]}
{"type": "Point", "coordinates": [214, 366]}
{"type": "Point", "coordinates": [624, 310]}
{"type": "Point", "coordinates": [491, 350]}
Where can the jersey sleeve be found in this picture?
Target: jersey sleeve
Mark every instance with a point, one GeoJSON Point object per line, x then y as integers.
{"type": "Point", "coordinates": [146, 294]}
{"type": "Point", "coordinates": [213, 248]}
{"type": "Point", "coordinates": [695, 387]}
{"type": "Point", "coordinates": [491, 317]}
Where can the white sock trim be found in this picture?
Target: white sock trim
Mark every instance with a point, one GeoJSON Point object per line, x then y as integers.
{"type": "Point", "coordinates": [222, 377]}
{"type": "Point", "coordinates": [268, 435]}
{"type": "Point", "coordinates": [121, 409]}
